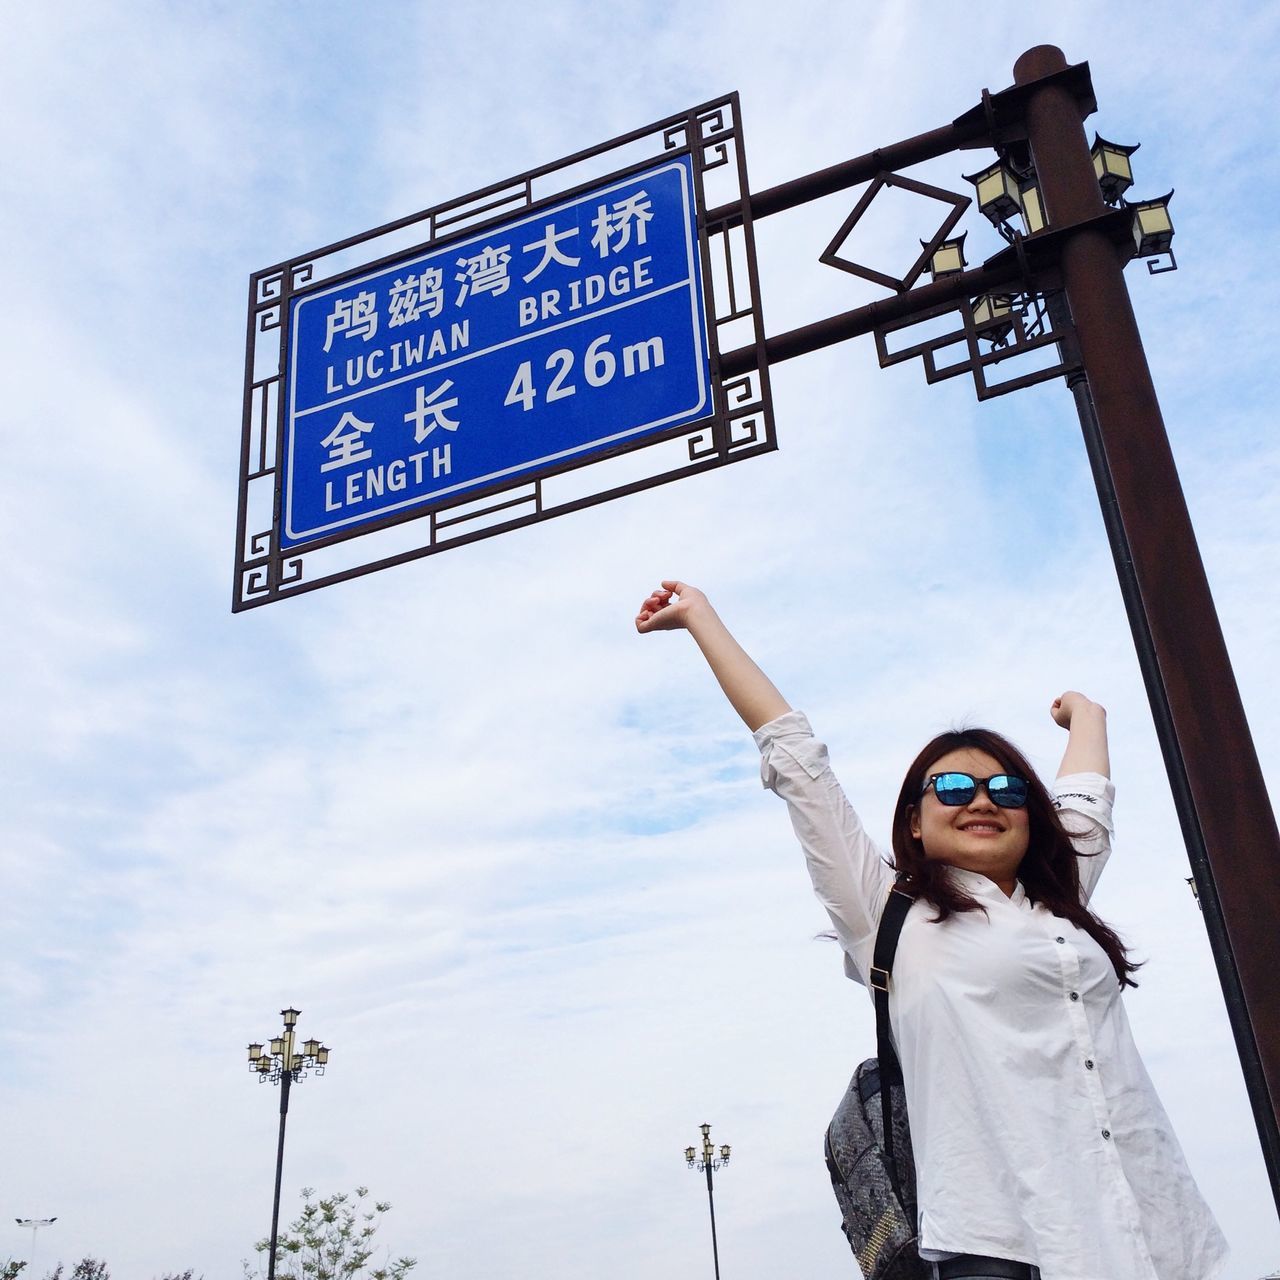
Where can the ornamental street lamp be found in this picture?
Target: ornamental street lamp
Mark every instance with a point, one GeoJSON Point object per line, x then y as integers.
{"type": "Point", "coordinates": [998, 195]}
{"type": "Point", "coordinates": [1032, 209]}
{"type": "Point", "coordinates": [1152, 229]}
{"type": "Point", "coordinates": [35, 1224]}
{"type": "Point", "coordinates": [993, 316]}
{"type": "Point", "coordinates": [948, 258]}
{"type": "Point", "coordinates": [282, 1064]}
{"type": "Point", "coordinates": [708, 1162]}
{"type": "Point", "coordinates": [1111, 164]}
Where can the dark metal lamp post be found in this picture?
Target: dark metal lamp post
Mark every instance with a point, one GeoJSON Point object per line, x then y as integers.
{"type": "Point", "coordinates": [282, 1064]}
{"type": "Point", "coordinates": [708, 1162]}
{"type": "Point", "coordinates": [1057, 288]}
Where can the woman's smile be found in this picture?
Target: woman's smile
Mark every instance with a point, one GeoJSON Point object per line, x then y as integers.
{"type": "Point", "coordinates": [979, 836]}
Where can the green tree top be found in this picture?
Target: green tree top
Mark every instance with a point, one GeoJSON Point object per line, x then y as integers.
{"type": "Point", "coordinates": [331, 1239]}
{"type": "Point", "coordinates": [85, 1269]}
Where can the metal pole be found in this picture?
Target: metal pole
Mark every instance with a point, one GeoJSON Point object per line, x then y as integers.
{"type": "Point", "coordinates": [970, 130]}
{"type": "Point", "coordinates": [711, 1204]}
{"type": "Point", "coordinates": [1175, 765]}
{"type": "Point", "coordinates": [1221, 799]}
{"type": "Point", "coordinates": [1001, 270]}
{"type": "Point", "coordinates": [285, 1079]}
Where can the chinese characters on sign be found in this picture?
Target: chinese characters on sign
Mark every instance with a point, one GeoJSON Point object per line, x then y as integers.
{"type": "Point", "coordinates": [567, 332]}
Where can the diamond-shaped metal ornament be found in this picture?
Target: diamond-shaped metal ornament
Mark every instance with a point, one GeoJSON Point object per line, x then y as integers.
{"type": "Point", "coordinates": [958, 203]}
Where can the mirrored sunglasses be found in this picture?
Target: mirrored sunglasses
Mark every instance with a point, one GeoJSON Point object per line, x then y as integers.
{"type": "Point", "coordinates": [955, 789]}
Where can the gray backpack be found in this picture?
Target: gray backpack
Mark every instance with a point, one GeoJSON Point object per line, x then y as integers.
{"type": "Point", "coordinates": [868, 1142]}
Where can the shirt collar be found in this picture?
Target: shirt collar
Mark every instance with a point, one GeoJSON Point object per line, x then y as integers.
{"type": "Point", "coordinates": [980, 886]}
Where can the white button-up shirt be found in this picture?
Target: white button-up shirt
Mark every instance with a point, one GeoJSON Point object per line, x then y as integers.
{"type": "Point", "coordinates": [1037, 1134]}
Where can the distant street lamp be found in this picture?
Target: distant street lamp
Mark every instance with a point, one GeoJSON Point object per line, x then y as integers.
{"type": "Point", "coordinates": [35, 1224]}
{"type": "Point", "coordinates": [708, 1163]}
{"type": "Point", "coordinates": [282, 1065]}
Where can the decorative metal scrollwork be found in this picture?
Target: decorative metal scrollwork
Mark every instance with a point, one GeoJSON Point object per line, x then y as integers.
{"type": "Point", "coordinates": [742, 391]}
{"type": "Point", "coordinates": [270, 287]}
{"type": "Point", "coordinates": [747, 430]}
{"type": "Point", "coordinates": [712, 127]}
{"type": "Point", "coordinates": [1011, 325]}
{"type": "Point", "coordinates": [714, 155]}
{"type": "Point", "coordinates": [702, 445]}
{"type": "Point", "coordinates": [711, 122]}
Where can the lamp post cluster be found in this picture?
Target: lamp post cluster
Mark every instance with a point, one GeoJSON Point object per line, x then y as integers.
{"type": "Point", "coordinates": [707, 1161]}
{"type": "Point", "coordinates": [1009, 189]}
{"type": "Point", "coordinates": [282, 1063]}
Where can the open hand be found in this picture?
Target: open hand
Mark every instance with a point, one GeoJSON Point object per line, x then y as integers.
{"type": "Point", "coordinates": [668, 608]}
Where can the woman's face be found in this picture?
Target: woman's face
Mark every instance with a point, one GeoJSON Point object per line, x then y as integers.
{"type": "Point", "coordinates": [979, 836]}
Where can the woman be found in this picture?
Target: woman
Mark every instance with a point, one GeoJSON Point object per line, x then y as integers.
{"type": "Point", "coordinates": [1041, 1148]}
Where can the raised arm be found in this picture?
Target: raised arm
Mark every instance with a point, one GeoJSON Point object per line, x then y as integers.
{"type": "Point", "coordinates": [1086, 726]}
{"type": "Point", "coordinates": [849, 873]}
{"type": "Point", "coordinates": [677, 606]}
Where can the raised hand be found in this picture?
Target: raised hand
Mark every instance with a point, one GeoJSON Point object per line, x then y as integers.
{"type": "Point", "coordinates": [1065, 707]}
{"type": "Point", "coordinates": [668, 608]}
{"type": "Point", "coordinates": [1086, 724]}
{"type": "Point", "coordinates": [676, 606]}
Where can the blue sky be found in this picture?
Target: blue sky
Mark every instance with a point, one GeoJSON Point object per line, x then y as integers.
{"type": "Point", "coordinates": [512, 861]}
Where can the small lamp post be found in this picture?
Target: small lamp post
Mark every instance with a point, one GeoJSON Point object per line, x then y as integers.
{"type": "Point", "coordinates": [35, 1224]}
{"type": "Point", "coordinates": [708, 1162]}
{"type": "Point", "coordinates": [282, 1064]}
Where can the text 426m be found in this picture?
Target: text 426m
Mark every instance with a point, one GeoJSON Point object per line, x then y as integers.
{"type": "Point", "coordinates": [600, 366]}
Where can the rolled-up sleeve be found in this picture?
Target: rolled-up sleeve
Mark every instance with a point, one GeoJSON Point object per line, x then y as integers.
{"type": "Point", "coordinates": [850, 874]}
{"type": "Point", "coordinates": [1084, 802]}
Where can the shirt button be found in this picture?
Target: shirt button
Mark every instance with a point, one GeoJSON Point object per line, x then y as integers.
{"type": "Point", "coordinates": [1106, 1133]}
{"type": "Point", "coordinates": [1060, 939]}
{"type": "Point", "coordinates": [1075, 995]}
{"type": "Point", "coordinates": [1088, 1062]}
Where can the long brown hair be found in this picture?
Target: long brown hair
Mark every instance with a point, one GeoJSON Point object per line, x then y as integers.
{"type": "Point", "coordinates": [1048, 872]}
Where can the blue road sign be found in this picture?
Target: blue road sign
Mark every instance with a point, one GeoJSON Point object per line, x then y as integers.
{"type": "Point", "coordinates": [563, 334]}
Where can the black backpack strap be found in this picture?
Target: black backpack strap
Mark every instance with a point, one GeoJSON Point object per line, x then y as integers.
{"type": "Point", "coordinates": [891, 922]}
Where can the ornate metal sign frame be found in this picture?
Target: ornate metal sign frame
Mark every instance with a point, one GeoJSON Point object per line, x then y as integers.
{"type": "Point", "coordinates": [740, 425]}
